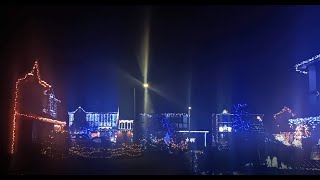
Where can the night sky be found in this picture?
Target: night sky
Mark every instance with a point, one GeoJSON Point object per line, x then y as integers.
{"type": "Point", "coordinates": [226, 54]}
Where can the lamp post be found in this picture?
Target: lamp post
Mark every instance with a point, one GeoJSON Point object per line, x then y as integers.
{"type": "Point", "coordinates": [189, 128]}
{"type": "Point", "coordinates": [145, 86]}
{"type": "Point", "coordinates": [189, 119]}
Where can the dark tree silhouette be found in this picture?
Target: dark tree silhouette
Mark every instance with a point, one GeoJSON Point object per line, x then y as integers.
{"type": "Point", "coordinates": [79, 121]}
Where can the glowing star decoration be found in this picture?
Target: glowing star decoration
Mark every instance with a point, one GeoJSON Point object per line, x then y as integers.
{"type": "Point", "coordinates": [284, 109]}
{"type": "Point", "coordinates": [259, 118]}
{"type": "Point", "coordinates": [35, 73]}
{"type": "Point", "coordinates": [225, 111]}
{"type": "Point", "coordinates": [304, 64]}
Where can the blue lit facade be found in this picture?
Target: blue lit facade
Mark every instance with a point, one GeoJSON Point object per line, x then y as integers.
{"type": "Point", "coordinates": [225, 125]}
{"type": "Point", "coordinates": [81, 120]}
{"type": "Point", "coordinates": [169, 121]}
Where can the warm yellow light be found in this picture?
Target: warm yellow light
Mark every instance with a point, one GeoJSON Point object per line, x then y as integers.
{"type": "Point", "coordinates": [145, 85]}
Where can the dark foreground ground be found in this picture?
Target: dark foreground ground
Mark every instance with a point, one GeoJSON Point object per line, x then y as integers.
{"type": "Point", "coordinates": [148, 164]}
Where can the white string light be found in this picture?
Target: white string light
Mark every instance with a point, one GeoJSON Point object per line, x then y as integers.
{"type": "Point", "coordinates": [304, 64]}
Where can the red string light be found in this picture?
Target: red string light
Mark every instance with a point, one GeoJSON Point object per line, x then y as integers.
{"type": "Point", "coordinates": [48, 120]}
{"type": "Point", "coordinates": [34, 72]}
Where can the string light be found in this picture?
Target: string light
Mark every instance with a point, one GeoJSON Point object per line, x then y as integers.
{"type": "Point", "coordinates": [168, 115]}
{"type": "Point", "coordinates": [48, 120]}
{"type": "Point", "coordinates": [284, 109]}
{"type": "Point", "coordinates": [35, 72]}
{"type": "Point", "coordinates": [302, 131]}
{"type": "Point", "coordinates": [51, 106]}
{"type": "Point", "coordinates": [125, 125]}
{"type": "Point", "coordinates": [304, 64]}
{"type": "Point", "coordinates": [90, 152]}
{"type": "Point", "coordinates": [238, 122]}
{"type": "Point", "coordinates": [194, 131]}
{"type": "Point", "coordinates": [181, 146]}
{"type": "Point", "coordinates": [312, 121]}
{"type": "Point", "coordinates": [97, 120]}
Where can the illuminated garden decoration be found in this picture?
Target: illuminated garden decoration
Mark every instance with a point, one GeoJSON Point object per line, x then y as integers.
{"type": "Point", "coordinates": [159, 126]}
{"type": "Point", "coordinates": [80, 118]}
{"type": "Point", "coordinates": [161, 131]}
{"type": "Point", "coordinates": [240, 125]}
{"type": "Point", "coordinates": [310, 121]}
{"type": "Point", "coordinates": [281, 119]}
{"type": "Point", "coordinates": [17, 111]}
{"type": "Point", "coordinates": [284, 109]}
{"type": "Point", "coordinates": [302, 129]}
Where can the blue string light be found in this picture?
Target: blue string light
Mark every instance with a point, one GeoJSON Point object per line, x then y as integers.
{"type": "Point", "coordinates": [240, 125]}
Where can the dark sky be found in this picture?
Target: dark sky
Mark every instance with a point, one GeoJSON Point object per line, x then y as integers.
{"type": "Point", "coordinates": [230, 54]}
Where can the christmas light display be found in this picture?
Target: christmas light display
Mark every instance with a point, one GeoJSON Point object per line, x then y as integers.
{"type": "Point", "coordinates": [51, 106]}
{"type": "Point", "coordinates": [164, 122]}
{"type": "Point", "coordinates": [239, 125]}
{"type": "Point", "coordinates": [303, 65]}
{"type": "Point", "coordinates": [194, 131]}
{"type": "Point", "coordinates": [157, 142]}
{"type": "Point", "coordinates": [51, 150]}
{"type": "Point", "coordinates": [240, 122]}
{"type": "Point", "coordinates": [125, 125]}
{"type": "Point", "coordinates": [310, 121]}
{"type": "Point", "coordinates": [96, 120]}
{"type": "Point", "coordinates": [204, 132]}
{"type": "Point", "coordinates": [225, 128]}
{"type": "Point", "coordinates": [90, 152]}
{"type": "Point", "coordinates": [168, 115]}
{"type": "Point", "coordinates": [284, 109]}
{"type": "Point", "coordinates": [35, 72]}
{"type": "Point", "coordinates": [192, 140]}
{"type": "Point", "coordinates": [159, 131]}
{"type": "Point", "coordinates": [48, 120]}
{"type": "Point", "coordinates": [159, 125]}
{"type": "Point", "coordinates": [302, 131]}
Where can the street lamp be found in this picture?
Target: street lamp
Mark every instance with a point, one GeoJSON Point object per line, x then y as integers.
{"type": "Point", "coordinates": [145, 86]}
{"type": "Point", "coordinates": [189, 126]}
{"type": "Point", "coordinates": [189, 116]}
